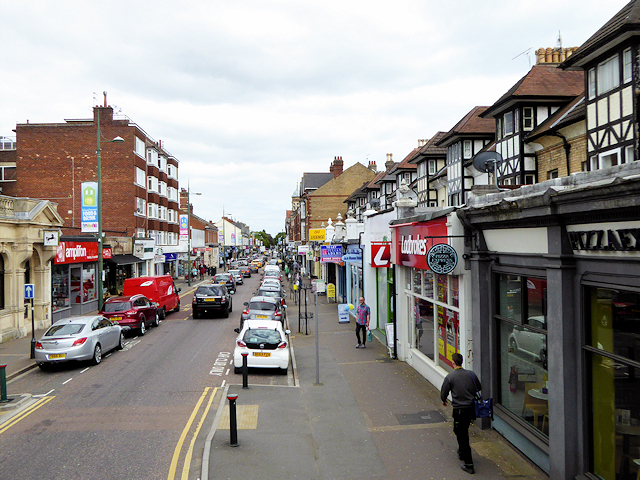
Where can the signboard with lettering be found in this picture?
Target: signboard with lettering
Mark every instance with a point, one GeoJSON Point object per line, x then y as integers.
{"type": "Point", "coordinates": [412, 242]}
{"type": "Point", "coordinates": [184, 226]}
{"type": "Point", "coordinates": [442, 259]}
{"type": "Point", "coordinates": [89, 207]}
{"type": "Point", "coordinates": [621, 238]}
{"type": "Point", "coordinates": [77, 252]}
{"type": "Point", "coordinates": [331, 254]}
{"type": "Point", "coordinates": [317, 234]}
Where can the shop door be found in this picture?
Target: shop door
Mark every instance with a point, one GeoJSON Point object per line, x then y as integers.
{"type": "Point", "coordinates": [75, 290]}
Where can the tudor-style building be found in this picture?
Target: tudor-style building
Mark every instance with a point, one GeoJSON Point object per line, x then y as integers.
{"type": "Point", "coordinates": [533, 99]}
{"type": "Point", "coordinates": [430, 159]}
{"type": "Point", "coordinates": [609, 60]}
{"type": "Point", "coordinates": [467, 138]}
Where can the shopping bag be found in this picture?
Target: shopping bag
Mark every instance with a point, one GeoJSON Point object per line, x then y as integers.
{"type": "Point", "coordinates": [484, 408]}
{"type": "Point", "coordinates": [369, 336]}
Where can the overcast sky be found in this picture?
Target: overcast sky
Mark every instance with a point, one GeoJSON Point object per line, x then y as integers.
{"type": "Point", "coordinates": [248, 94]}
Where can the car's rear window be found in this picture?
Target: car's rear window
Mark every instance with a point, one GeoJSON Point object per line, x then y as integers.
{"type": "Point", "coordinates": [222, 277]}
{"type": "Point", "coordinates": [66, 329]}
{"type": "Point", "coordinates": [234, 272]}
{"type": "Point", "coordinates": [117, 307]}
{"type": "Point", "coordinates": [264, 306]}
{"type": "Point", "coordinates": [268, 293]}
{"type": "Point", "coordinates": [262, 335]}
{"type": "Point", "coordinates": [212, 290]}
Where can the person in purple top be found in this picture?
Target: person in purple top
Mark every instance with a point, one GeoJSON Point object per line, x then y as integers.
{"type": "Point", "coordinates": [363, 315]}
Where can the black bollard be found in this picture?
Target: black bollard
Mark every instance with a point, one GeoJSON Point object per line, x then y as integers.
{"type": "Point", "coordinates": [233, 422]}
{"type": "Point", "coordinates": [245, 370]}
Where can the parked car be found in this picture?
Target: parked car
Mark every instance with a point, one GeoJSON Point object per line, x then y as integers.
{"type": "Point", "coordinates": [237, 276]}
{"type": "Point", "coordinates": [276, 292]}
{"type": "Point", "coordinates": [528, 341]}
{"type": "Point", "coordinates": [253, 268]}
{"type": "Point", "coordinates": [270, 281]}
{"type": "Point", "coordinates": [227, 280]}
{"type": "Point", "coordinates": [262, 308]}
{"type": "Point", "coordinates": [245, 270]}
{"type": "Point", "coordinates": [266, 344]}
{"type": "Point", "coordinates": [211, 298]}
{"type": "Point", "coordinates": [159, 289]}
{"type": "Point", "coordinates": [78, 338]}
{"type": "Point", "coordinates": [135, 311]}
{"type": "Point", "coordinates": [257, 262]}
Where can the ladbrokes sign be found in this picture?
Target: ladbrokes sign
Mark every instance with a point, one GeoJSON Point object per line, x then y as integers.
{"type": "Point", "coordinates": [411, 243]}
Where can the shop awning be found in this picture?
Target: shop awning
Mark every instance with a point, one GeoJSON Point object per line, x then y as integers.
{"type": "Point", "coordinates": [124, 259]}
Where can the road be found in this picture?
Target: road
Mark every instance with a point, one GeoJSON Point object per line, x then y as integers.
{"type": "Point", "coordinates": [141, 414]}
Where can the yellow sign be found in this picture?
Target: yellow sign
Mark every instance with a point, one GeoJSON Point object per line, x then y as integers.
{"type": "Point", "coordinates": [331, 290]}
{"type": "Point", "coordinates": [316, 234]}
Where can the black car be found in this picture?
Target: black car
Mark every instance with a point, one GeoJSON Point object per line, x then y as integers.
{"type": "Point", "coordinates": [211, 298]}
{"type": "Point", "coordinates": [227, 280]}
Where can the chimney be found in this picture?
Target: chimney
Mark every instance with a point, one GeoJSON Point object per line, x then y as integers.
{"type": "Point", "coordinates": [372, 166]}
{"type": "Point", "coordinates": [336, 167]}
{"type": "Point", "coordinates": [389, 163]}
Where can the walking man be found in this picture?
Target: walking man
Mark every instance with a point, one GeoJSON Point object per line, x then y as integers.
{"type": "Point", "coordinates": [363, 316]}
{"type": "Point", "coordinates": [462, 385]}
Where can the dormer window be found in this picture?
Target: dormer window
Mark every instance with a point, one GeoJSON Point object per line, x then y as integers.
{"type": "Point", "coordinates": [527, 118]}
{"type": "Point", "coordinates": [432, 167]}
{"type": "Point", "coordinates": [508, 123]}
{"type": "Point", "coordinates": [608, 74]}
{"type": "Point", "coordinates": [627, 66]}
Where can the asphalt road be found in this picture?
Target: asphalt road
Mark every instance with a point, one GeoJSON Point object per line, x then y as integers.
{"type": "Point", "coordinates": [141, 414]}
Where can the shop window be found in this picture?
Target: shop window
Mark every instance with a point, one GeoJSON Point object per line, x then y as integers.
{"type": "Point", "coordinates": [428, 283]}
{"type": "Point", "coordinates": [522, 349]}
{"type": "Point", "coordinates": [613, 350]}
{"type": "Point", "coordinates": [89, 286]}
{"type": "Point", "coordinates": [417, 281]}
{"type": "Point", "coordinates": [424, 327]}
{"type": "Point", "coordinates": [1, 283]}
{"type": "Point", "coordinates": [442, 288]}
{"type": "Point", "coordinates": [60, 287]}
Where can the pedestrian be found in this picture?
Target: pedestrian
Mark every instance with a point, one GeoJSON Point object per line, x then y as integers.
{"type": "Point", "coordinates": [201, 272]}
{"type": "Point", "coordinates": [463, 386]}
{"type": "Point", "coordinates": [363, 316]}
{"type": "Point", "coordinates": [194, 273]}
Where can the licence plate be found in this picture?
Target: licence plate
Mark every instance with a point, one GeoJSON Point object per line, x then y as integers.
{"type": "Point", "coordinates": [209, 299]}
{"type": "Point", "coordinates": [58, 355]}
{"type": "Point", "coordinates": [262, 316]}
{"type": "Point", "coordinates": [116, 319]}
{"type": "Point", "coordinates": [261, 354]}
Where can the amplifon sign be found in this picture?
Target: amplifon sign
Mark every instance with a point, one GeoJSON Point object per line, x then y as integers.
{"type": "Point", "coordinates": [77, 252]}
{"type": "Point", "coordinates": [412, 242]}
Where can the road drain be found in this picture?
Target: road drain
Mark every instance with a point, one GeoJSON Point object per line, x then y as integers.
{"type": "Point", "coordinates": [432, 416]}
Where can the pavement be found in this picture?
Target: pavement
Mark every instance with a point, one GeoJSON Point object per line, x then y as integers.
{"type": "Point", "coordinates": [370, 416]}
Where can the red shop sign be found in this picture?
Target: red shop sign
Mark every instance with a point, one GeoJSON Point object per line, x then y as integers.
{"type": "Point", "coordinates": [78, 252]}
{"type": "Point", "coordinates": [412, 242]}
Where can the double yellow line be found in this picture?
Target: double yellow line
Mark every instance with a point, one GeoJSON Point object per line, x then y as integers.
{"type": "Point", "coordinates": [176, 453]}
{"type": "Point", "coordinates": [28, 411]}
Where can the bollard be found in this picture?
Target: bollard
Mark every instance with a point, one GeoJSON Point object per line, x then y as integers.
{"type": "Point", "coordinates": [233, 422]}
{"type": "Point", "coordinates": [245, 370]}
{"type": "Point", "coordinates": [3, 384]}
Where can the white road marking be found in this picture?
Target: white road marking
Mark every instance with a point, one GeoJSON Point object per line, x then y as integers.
{"type": "Point", "coordinates": [223, 383]}
{"type": "Point", "coordinates": [44, 394]}
{"type": "Point", "coordinates": [67, 381]}
{"type": "Point", "coordinates": [85, 369]}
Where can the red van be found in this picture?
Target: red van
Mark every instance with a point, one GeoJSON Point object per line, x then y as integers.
{"type": "Point", "coordinates": [160, 290]}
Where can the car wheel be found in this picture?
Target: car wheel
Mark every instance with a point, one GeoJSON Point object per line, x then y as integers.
{"type": "Point", "coordinates": [177, 309]}
{"type": "Point", "coordinates": [43, 366]}
{"type": "Point", "coordinates": [121, 341]}
{"type": "Point", "coordinates": [143, 327]}
{"type": "Point", "coordinates": [226, 312]}
{"type": "Point", "coordinates": [162, 313]}
{"type": "Point", "coordinates": [283, 371]}
{"type": "Point", "coordinates": [513, 345]}
{"type": "Point", "coordinates": [237, 369]}
{"type": "Point", "coordinates": [156, 320]}
{"type": "Point", "coordinates": [97, 355]}
{"type": "Point", "coordinates": [230, 305]}
{"type": "Point", "coordinates": [195, 314]}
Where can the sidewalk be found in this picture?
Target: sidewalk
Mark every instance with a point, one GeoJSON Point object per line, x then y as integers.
{"type": "Point", "coordinates": [371, 417]}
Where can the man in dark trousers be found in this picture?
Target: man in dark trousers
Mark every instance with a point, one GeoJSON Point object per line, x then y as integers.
{"type": "Point", "coordinates": [363, 316]}
{"type": "Point", "coordinates": [463, 385]}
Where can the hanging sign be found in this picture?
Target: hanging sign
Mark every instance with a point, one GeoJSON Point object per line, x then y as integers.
{"type": "Point", "coordinates": [442, 258]}
{"type": "Point", "coordinates": [381, 255]}
{"type": "Point", "coordinates": [89, 210]}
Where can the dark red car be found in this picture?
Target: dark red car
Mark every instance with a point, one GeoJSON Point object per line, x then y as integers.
{"type": "Point", "coordinates": [134, 311]}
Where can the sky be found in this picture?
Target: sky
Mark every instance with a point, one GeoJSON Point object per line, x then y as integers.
{"type": "Point", "coordinates": [249, 94]}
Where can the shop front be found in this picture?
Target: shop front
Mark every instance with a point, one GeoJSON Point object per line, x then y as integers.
{"type": "Point", "coordinates": [432, 321]}
{"type": "Point", "coordinates": [556, 288]}
{"type": "Point", "coordinates": [73, 277]}
{"type": "Point", "coordinates": [355, 278]}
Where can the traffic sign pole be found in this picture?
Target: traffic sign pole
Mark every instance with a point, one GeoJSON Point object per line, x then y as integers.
{"type": "Point", "coordinates": [33, 333]}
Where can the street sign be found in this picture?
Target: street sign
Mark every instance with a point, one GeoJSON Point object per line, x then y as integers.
{"type": "Point", "coordinates": [29, 291]}
{"type": "Point", "coordinates": [381, 255]}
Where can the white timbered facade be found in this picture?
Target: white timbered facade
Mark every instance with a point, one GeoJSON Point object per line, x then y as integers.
{"type": "Point", "coordinates": [429, 160]}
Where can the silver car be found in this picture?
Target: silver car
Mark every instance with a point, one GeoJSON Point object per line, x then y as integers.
{"type": "Point", "coordinates": [262, 308]}
{"type": "Point", "coordinates": [237, 276]}
{"type": "Point", "coordinates": [78, 338]}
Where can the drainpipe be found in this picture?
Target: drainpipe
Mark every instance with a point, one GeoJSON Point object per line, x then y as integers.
{"type": "Point", "coordinates": [567, 149]}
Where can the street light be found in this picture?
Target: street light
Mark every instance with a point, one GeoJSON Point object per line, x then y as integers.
{"type": "Point", "coordinates": [189, 235]}
{"type": "Point", "coordinates": [100, 234]}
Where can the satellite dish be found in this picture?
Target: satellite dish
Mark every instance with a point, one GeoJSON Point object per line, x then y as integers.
{"type": "Point", "coordinates": [486, 161]}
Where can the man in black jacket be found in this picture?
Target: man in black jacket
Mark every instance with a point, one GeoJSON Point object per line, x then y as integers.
{"type": "Point", "coordinates": [463, 386]}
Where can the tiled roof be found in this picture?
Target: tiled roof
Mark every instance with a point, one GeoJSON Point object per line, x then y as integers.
{"type": "Point", "coordinates": [626, 20]}
{"type": "Point", "coordinates": [571, 113]}
{"type": "Point", "coordinates": [543, 80]}
{"type": "Point", "coordinates": [372, 184]}
{"type": "Point", "coordinates": [471, 124]}
{"type": "Point", "coordinates": [314, 180]}
{"type": "Point", "coordinates": [431, 149]}
{"type": "Point", "coordinates": [404, 164]}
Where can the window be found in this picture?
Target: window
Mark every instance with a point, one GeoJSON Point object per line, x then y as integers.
{"type": "Point", "coordinates": [152, 184]}
{"type": "Point", "coordinates": [628, 66]}
{"type": "Point", "coordinates": [522, 348]}
{"type": "Point", "coordinates": [552, 174]}
{"type": "Point", "coordinates": [8, 174]}
{"type": "Point", "coordinates": [516, 121]}
{"type": "Point", "coordinates": [53, 278]}
{"type": "Point", "coordinates": [529, 179]}
{"type": "Point", "coordinates": [628, 154]}
{"type": "Point", "coordinates": [592, 83]}
{"type": "Point", "coordinates": [140, 176]}
{"type": "Point", "coordinates": [162, 188]}
{"type": "Point", "coordinates": [140, 206]}
{"type": "Point", "coordinates": [140, 233]}
{"type": "Point", "coordinates": [422, 169]}
{"type": "Point", "coordinates": [508, 123]}
{"type": "Point", "coordinates": [612, 347]}
{"type": "Point", "coordinates": [432, 167]}
{"type": "Point", "coordinates": [527, 118]}
{"type": "Point", "coordinates": [467, 149]}
{"type": "Point", "coordinates": [140, 148]}
{"type": "Point", "coordinates": [608, 75]}
{"type": "Point", "coordinates": [605, 160]}
{"type": "Point", "coordinates": [499, 128]}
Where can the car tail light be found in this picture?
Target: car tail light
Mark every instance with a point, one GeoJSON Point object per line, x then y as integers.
{"type": "Point", "coordinates": [282, 345]}
{"type": "Point", "coordinates": [241, 344]}
{"type": "Point", "coordinates": [282, 302]}
{"type": "Point", "coordinates": [38, 345]}
{"type": "Point", "coordinates": [246, 311]}
{"type": "Point", "coordinates": [79, 341]}
{"type": "Point", "coordinates": [131, 312]}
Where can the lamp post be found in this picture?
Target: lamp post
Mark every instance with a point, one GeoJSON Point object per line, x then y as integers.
{"type": "Point", "coordinates": [189, 234]}
{"type": "Point", "coordinates": [100, 234]}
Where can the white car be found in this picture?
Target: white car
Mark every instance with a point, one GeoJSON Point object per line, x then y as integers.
{"type": "Point", "coordinates": [533, 343]}
{"type": "Point", "coordinates": [266, 344]}
{"type": "Point", "coordinates": [237, 276]}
